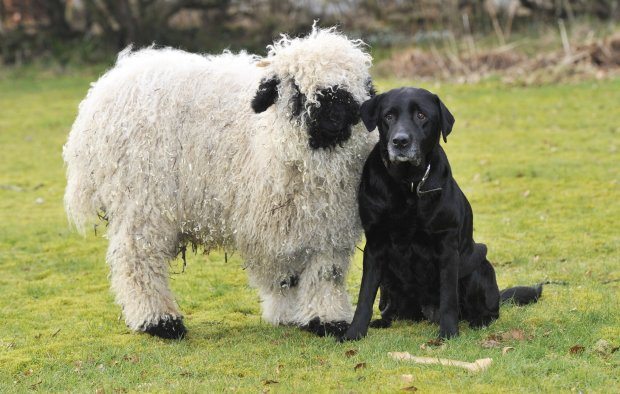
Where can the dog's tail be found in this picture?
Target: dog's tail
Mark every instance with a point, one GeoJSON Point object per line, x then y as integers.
{"type": "Point", "coordinates": [521, 295]}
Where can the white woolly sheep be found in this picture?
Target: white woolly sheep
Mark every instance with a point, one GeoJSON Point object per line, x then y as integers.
{"type": "Point", "coordinates": [167, 148]}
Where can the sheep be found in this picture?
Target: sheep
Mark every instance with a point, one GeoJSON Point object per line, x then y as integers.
{"type": "Point", "coordinates": [261, 155]}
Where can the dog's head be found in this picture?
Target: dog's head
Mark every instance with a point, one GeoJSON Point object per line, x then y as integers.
{"type": "Point", "coordinates": [318, 82]}
{"type": "Point", "coordinates": [410, 122]}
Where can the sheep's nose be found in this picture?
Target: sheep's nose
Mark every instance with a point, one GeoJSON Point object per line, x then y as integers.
{"type": "Point", "coordinates": [401, 140]}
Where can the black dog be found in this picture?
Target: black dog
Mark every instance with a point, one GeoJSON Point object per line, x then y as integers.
{"type": "Point", "coordinates": [418, 225]}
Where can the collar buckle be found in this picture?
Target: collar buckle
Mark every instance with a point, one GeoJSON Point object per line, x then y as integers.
{"type": "Point", "coordinates": [418, 188]}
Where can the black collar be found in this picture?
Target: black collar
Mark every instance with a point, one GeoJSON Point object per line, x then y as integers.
{"type": "Point", "coordinates": [417, 188]}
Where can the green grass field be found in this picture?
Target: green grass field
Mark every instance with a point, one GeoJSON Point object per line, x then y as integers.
{"type": "Point", "coordinates": [540, 166]}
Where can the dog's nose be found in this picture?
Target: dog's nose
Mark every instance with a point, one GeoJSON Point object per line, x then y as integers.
{"type": "Point", "coordinates": [401, 140]}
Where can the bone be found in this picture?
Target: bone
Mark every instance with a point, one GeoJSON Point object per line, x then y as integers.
{"type": "Point", "coordinates": [477, 366]}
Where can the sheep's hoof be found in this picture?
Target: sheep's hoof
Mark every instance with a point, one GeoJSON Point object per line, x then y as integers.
{"type": "Point", "coordinates": [167, 327]}
{"type": "Point", "coordinates": [331, 328]}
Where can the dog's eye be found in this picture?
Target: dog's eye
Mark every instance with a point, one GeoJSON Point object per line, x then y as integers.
{"type": "Point", "coordinates": [421, 116]}
{"type": "Point", "coordinates": [388, 117]}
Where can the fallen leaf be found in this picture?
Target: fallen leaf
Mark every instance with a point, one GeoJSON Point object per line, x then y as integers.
{"type": "Point", "coordinates": [359, 366]}
{"type": "Point", "coordinates": [577, 349]}
{"type": "Point", "coordinates": [28, 372]}
{"type": "Point", "coordinates": [410, 388]}
{"type": "Point", "coordinates": [490, 343]}
{"type": "Point", "coordinates": [507, 349]}
{"type": "Point", "coordinates": [515, 333]}
{"type": "Point", "coordinates": [432, 344]}
{"type": "Point", "coordinates": [495, 337]}
{"type": "Point", "coordinates": [526, 193]}
{"type": "Point", "coordinates": [279, 368]}
{"type": "Point", "coordinates": [435, 342]}
{"type": "Point", "coordinates": [100, 391]}
{"type": "Point", "coordinates": [131, 358]}
{"type": "Point", "coordinates": [350, 353]}
{"type": "Point", "coordinates": [269, 381]}
{"type": "Point", "coordinates": [407, 378]}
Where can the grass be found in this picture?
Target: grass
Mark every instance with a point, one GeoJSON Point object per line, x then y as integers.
{"type": "Point", "coordinates": [539, 165]}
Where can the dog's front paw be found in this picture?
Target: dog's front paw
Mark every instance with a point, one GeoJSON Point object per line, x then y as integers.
{"type": "Point", "coordinates": [381, 323]}
{"type": "Point", "coordinates": [352, 335]}
{"type": "Point", "coordinates": [167, 327]}
{"type": "Point", "coordinates": [334, 328]}
{"type": "Point", "coordinates": [447, 332]}
{"type": "Point", "coordinates": [481, 322]}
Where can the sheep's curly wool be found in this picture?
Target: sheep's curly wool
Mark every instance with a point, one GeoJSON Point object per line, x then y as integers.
{"type": "Point", "coordinates": [166, 144]}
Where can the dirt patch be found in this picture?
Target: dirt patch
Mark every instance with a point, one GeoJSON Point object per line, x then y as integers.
{"type": "Point", "coordinates": [595, 59]}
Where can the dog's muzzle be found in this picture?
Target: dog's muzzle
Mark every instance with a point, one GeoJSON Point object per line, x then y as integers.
{"type": "Point", "coordinates": [401, 149]}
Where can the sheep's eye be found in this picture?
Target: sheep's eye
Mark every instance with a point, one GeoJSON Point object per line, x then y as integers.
{"type": "Point", "coordinates": [388, 117]}
{"type": "Point", "coordinates": [421, 116]}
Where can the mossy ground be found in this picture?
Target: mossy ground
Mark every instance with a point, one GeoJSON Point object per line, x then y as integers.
{"type": "Point", "coordinates": [540, 166]}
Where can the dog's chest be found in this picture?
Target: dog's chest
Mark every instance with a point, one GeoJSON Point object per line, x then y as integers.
{"type": "Point", "coordinates": [412, 262]}
{"type": "Point", "coordinates": [403, 219]}
{"type": "Point", "coordinates": [410, 237]}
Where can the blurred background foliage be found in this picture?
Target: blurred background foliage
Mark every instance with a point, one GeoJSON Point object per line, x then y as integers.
{"type": "Point", "coordinates": [452, 39]}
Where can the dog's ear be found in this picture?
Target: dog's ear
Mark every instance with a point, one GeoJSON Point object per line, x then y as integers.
{"type": "Point", "coordinates": [369, 112]}
{"type": "Point", "coordinates": [446, 119]}
{"type": "Point", "coordinates": [266, 94]}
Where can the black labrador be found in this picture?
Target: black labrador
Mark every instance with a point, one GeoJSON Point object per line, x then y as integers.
{"type": "Point", "coordinates": [418, 224]}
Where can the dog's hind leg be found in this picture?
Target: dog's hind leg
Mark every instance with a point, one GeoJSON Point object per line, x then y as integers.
{"type": "Point", "coordinates": [138, 255]}
{"type": "Point", "coordinates": [479, 298]}
{"type": "Point", "coordinates": [388, 310]}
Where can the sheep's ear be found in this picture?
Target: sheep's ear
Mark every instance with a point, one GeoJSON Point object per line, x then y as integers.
{"type": "Point", "coordinates": [369, 112]}
{"type": "Point", "coordinates": [446, 118]}
{"type": "Point", "coordinates": [370, 88]}
{"type": "Point", "coordinates": [266, 94]}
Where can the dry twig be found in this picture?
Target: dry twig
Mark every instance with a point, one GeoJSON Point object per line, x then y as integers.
{"type": "Point", "coordinates": [476, 366]}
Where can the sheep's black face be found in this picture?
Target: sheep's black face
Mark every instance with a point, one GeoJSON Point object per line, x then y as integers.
{"type": "Point", "coordinates": [329, 123]}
